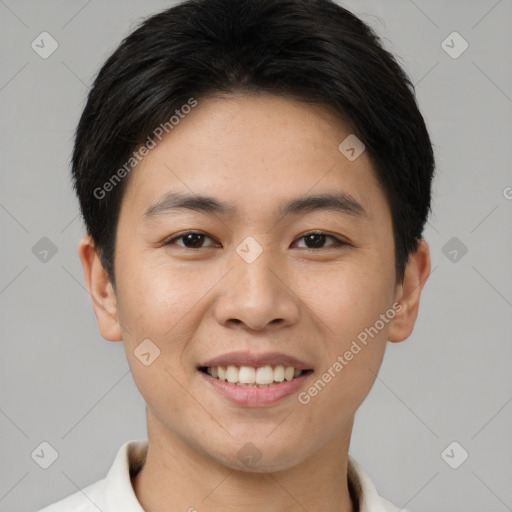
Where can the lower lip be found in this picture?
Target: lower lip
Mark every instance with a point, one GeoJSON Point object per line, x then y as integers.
{"type": "Point", "coordinates": [253, 396]}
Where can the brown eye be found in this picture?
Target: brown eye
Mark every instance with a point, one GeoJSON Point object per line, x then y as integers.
{"type": "Point", "coordinates": [191, 240]}
{"type": "Point", "coordinates": [317, 240]}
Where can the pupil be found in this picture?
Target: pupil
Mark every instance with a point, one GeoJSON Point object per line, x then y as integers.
{"type": "Point", "coordinates": [318, 238]}
{"type": "Point", "coordinates": [194, 241]}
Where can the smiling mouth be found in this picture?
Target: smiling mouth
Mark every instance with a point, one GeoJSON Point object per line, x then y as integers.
{"type": "Point", "coordinates": [248, 376]}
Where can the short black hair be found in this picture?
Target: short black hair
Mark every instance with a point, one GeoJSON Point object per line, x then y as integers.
{"type": "Point", "coordinates": [310, 50]}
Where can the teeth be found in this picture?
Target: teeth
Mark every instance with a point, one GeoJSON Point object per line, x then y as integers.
{"type": "Point", "coordinates": [289, 373]}
{"type": "Point", "coordinates": [232, 374]}
{"type": "Point", "coordinates": [264, 375]}
{"type": "Point", "coordinates": [279, 373]}
{"type": "Point", "coordinates": [248, 376]}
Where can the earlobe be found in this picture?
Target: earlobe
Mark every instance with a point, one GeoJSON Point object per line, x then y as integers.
{"type": "Point", "coordinates": [409, 292]}
{"type": "Point", "coordinates": [101, 291]}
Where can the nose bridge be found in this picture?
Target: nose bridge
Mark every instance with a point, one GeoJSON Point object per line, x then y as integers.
{"type": "Point", "coordinates": [255, 277]}
{"type": "Point", "coordinates": [256, 292]}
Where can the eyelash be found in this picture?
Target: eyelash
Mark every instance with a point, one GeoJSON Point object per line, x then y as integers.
{"type": "Point", "coordinates": [337, 241]}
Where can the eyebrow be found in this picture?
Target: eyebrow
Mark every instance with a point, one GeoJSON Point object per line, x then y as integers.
{"type": "Point", "coordinates": [339, 202]}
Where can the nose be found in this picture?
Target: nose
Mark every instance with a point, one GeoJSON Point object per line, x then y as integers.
{"type": "Point", "coordinates": [257, 295]}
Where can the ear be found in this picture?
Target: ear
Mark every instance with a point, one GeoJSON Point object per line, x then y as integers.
{"type": "Point", "coordinates": [102, 293]}
{"type": "Point", "coordinates": [408, 293]}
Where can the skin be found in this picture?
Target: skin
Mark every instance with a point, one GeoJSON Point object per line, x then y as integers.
{"type": "Point", "coordinates": [310, 301]}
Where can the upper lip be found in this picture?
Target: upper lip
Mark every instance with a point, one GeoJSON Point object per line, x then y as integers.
{"type": "Point", "coordinates": [256, 360]}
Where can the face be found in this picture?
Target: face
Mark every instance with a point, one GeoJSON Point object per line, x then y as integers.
{"type": "Point", "coordinates": [259, 275]}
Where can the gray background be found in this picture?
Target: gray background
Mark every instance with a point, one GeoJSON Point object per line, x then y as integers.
{"type": "Point", "coordinates": [60, 382]}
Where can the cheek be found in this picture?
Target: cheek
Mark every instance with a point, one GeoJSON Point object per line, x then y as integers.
{"type": "Point", "coordinates": [354, 310]}
{"type": "Point", "coordinates": [350, 297]}
{"type": "Point", "coordinates": [164, 303]}
{"type": "Point", "coordinates": [355, 322]}
{"type": "Point", "coordinates": [156, 296]}
{"type": "Point", "coordinates": [156, 303]}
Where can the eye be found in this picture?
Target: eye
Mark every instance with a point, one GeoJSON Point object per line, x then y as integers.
{"type": "Point", "coordinates": [195, 240]}
{"type": "Point", "coordinates": [191, 240]}
{"type": "Point", "coordinates": [317, 239]}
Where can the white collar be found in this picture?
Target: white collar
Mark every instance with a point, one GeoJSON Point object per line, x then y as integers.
{"type": "Point", "coordinates": [119, 493]}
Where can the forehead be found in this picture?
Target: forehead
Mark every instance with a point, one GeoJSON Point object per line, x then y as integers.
{"type": "Point", "coordinates": [254, 151]}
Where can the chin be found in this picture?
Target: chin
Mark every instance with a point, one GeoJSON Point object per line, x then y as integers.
{"type": "Point", "coordinates": [259, 456]}
{"type": "Point", "coordinates": [261, 466]}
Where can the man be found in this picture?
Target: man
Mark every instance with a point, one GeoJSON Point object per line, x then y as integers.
{"type": "Point", "coordinates": [254, 176]}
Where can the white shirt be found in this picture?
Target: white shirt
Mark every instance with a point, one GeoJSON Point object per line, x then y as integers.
{"type": "Point", "coordinates": [115, 493]}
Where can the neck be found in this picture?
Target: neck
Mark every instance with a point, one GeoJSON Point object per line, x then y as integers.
{"type": "Point", "coordinates": [176, 477]}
